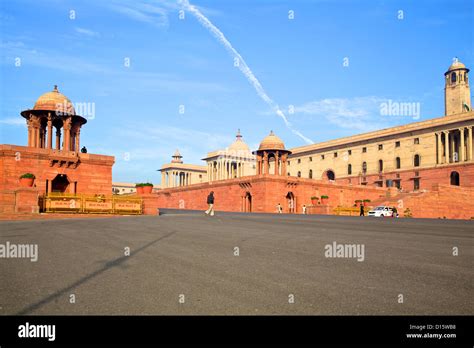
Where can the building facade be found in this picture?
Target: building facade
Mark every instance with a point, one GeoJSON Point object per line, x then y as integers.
{"type": "Point", "coordinates": [58, 167]}
{"type": "Point", "coordinates": [177, 173]}
{"type": "Point", "coordinates": [409, 157]}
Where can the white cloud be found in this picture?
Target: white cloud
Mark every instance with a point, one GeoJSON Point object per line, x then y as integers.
{"type": "Point", "coordinates": [360, 113]}
{"type": "Point", "coordinates": [86, 32]}
{"type": "Point", "coordinates": [13, 121]}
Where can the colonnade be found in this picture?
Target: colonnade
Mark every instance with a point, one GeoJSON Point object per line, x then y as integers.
{"type": "Point", "coordinates": [454, 145]}
{"type": "Point", "coordinates": [40, 132]}
{"type": "Point", "coordinates": [175, 178]}
{"type": "Point", "coordinates": [223, 169]}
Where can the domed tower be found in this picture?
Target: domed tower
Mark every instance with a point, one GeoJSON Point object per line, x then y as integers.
{"type": "Point", "coordinates": [457, 96]}
{"type": "Point", "coordinates": [272, 153]}
{"type": "Point", "coordinates": [53, 109]}
{"type": "Point", "coordinates": [177, 158]}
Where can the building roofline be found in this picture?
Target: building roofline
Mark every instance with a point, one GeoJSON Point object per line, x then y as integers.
{"type": "Point", "coordinates": [410, 127]}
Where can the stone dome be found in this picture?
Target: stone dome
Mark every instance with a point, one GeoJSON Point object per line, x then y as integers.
{"type": "Point", "coordinates": [239, 145]}
{"type": "Point", "coordinates": [271, 142]}
{"type": "Point", "coordinates": [55, 101]}
{"type": "Point", "coordinates": [456, 65]}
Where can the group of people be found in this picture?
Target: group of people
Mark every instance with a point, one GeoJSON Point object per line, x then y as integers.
{"type": "Point", "coordinates": [210, 209]}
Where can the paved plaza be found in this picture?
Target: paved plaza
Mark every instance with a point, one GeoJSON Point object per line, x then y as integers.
{"type": "Point", "coordinates": [188, 263]}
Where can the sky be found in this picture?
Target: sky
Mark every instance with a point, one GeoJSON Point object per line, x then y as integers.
{"type": "Point", "coordinates": [161, 75]}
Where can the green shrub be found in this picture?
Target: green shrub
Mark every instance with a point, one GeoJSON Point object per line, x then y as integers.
{"type": "Point", "coordinates": [324, 197]}
{"type": "Point", "coordinates": [27, 176]}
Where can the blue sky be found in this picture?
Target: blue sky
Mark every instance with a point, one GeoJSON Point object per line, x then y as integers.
{"type": "Point", "coordinates": [392, 55]}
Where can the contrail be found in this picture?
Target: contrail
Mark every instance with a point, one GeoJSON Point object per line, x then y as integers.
{"type": "Point", "coordinates": [243, 67]}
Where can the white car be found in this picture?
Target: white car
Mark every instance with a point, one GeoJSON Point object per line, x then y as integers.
{"type": "Point", "coordinates": [381, 211]}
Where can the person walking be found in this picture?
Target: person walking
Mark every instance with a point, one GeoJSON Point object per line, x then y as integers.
{"type": "Point", "coordinates": [279, 208]}
{"type": "Point", "coordinates": [304, 209]}
{"type": "Point", "coordinates": [362, 212]}
{"type": "Point", "coordinates": [210, 201]}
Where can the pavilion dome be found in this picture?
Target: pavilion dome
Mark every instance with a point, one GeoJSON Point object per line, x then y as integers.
{"type": "Point", "coordinates": [456, 65]}
{"type": "Point", "coordinates": [55, 101]}
{"type": "Point", "coordinates": [239, 145]}
{"type": "Point", "coordinates": [271, 142]}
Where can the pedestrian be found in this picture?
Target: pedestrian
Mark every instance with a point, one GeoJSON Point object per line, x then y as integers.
{"type": "Point", "coordinates": [279, 208]}
{"type": "Point", "coordinates": [304, 208]}
{"type": "Point", "coordinates": [210, 201]}
{"type": "Point", "coordinates": [362, 212]}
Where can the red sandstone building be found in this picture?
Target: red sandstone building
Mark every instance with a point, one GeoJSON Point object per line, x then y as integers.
{"type": "Point", "coordinates": [425, 168]}
{"type": "Point", "coordinates": [58, 166]}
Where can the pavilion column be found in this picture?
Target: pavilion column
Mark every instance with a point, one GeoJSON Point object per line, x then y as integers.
{"type": "Point", "coordinates": [277, 163]}
{"type": "Point", "coordinates": [163, 179]}
{"type": "Point", "coordinates": [461, 145]}
{"type": "Point", "coordinates": [50, 131]}
{"type": "Point", "coordinates": [29, 123]}
{"type": "Point", "coordinates": [469, 143]}
{"type": "Point", "coordinates": [446, 146]}
{"type": "Point", "coordinates": [67, 134]}
{"type": "Point", "coordinates": [283, 164]}
{"type": "Point", "coordinates": [440, 147]}
{"type": "Point", "coordinates": [265, 163]}
{"type": "Point", "coordinates": [77, 138]}
{"type": "Point", "coordinates": [58, 138]}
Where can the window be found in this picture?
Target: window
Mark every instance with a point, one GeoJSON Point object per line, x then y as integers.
{"type": "Point", "coordinates": [289, 174]}
{"type": "Point", "coordinates": [454, 178]}
{"type": "Point", "coordinates": [397, 163]}
{"type": "Point", "coordinates": [349, 152]}
{"type": "Point", "coordinates": [416, 184]}
{"type": "Point", "coordinates": [322, 157]}
{"type": "Point", "coordinates": [349, 169]}
{"type": "Point", "coordinates": [397, 144]}
{"type": "Point", "coordinates": [416, 141]}
{"type": "Point", "coordinates": [364, 149]}
{"type": "Point", "coordinates": [288, 162]}
{"type": "Point", "coordinates": [330, 175]}
{"type": "Point", "coordinates": [364, 167]}
{"type": "Point", "coordinates": [453, 77]}
{"type": "Point", "coordinates": [311, 159]}
{"type": "Point", "coordinates": [417, 160]}
{"type": "Point", "coordinates": [200, 176]}
{"type": "Point", "coordinates": [310, 173]}
{"type": "Point", "coordinates": [380, 147]}
{"type": "Point", "coordinates": [380, 165]}
{"type": "Point", "coordinates": [335, 154]}
{"type": "Point", "coordinates": [299, 174]}
{"type": "Point", "coordinates": [299, 160]}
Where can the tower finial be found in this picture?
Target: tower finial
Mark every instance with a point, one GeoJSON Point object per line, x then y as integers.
{"type": "Point", "coordinates": [55, 88]}
{"type": "Point", "coordinates": [238, 136]}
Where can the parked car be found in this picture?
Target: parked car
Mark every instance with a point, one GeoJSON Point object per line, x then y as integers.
{"type": "Point", "coordinates": [383, 211]}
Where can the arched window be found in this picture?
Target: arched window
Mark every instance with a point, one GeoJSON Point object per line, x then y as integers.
{"type": "Point", "coordinates": [465, 77]}
{"type": "Point", "coordinates": [398, 163]}
{"type": "Point", "coordinates": [331, 176]}
{"type": "Point", "coordinates": [455, 178]}
{"type": "Point", "coordinates": [349, 169]}
{"type": "Point", "coordinates": [310, 173]}
{"type": "Point", "coordinates": [453, 77]}
{"type": "Point", "coordinates": [364, 167]}
{"type": "Point", "coordinates": [380, 165]}
{"type": "Point", "coordinates": [299, 174]}
{"type": "Point", "coordinates": [417, 160]}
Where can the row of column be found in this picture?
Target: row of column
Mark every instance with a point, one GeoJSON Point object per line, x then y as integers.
{"type": "Point", "coordinates": [223, 169]}
{"type": "Point", "coordinates": [448, 146]}
{"type": "Point", "coordinates": [263, 163]}
{"type": "Point", "coordinates": [42, 136]}
{"type": "Point", "coordinates": [175, 178]}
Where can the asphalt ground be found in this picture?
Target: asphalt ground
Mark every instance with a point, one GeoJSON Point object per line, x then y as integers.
{"type": "Point", "coordinates": [186, 263]}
